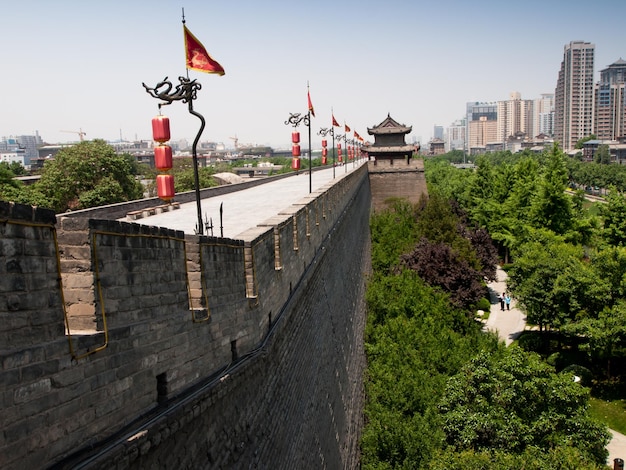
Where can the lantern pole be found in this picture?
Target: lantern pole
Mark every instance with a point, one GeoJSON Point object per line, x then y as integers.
{"type": "Point", "coordinates": [310, 163]}
{"type": "Point", "coordinates": [324, 131]}
{"type": "Point", "coordinates": [186, 91]}
{"type": "Point", "coordinates": [345, 144]}
{"type": "Point", "coordinates": [294, 120]}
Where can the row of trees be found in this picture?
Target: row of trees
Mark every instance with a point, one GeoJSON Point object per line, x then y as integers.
{"type": "Point", "coordinates": [441, 393]}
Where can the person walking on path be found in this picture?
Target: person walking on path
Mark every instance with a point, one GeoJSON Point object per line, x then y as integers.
{"type": "Point", "coordinates": [507, 301]}
{"type": "Point", "coordinates": [502, 300]}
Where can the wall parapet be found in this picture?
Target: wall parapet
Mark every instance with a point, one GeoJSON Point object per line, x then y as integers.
{"type": "Point", "coordinates": [141, 340]}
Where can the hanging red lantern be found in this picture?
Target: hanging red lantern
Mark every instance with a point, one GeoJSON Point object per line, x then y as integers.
{"type": "Point", "coordinates": [324, 159]}
{"type": "Point", "coordinates": [295, 137]}
{"type": "Point", "coordinates": [324, 143]}
{"type": "Point", "coordinates": [163, 157]}
{"type": "Point", "coordinates": [161, 128]}
{"type": "Point", "coordinates": [324, 152]}
{"type": "Point", "coordinates": [295, 163]}
{"type": "Point", "coordinates": [165, 187]}
{"type": "Point", "coordinates": [295, 150]}
{"type": "Point", "coordinates": [339, 159]}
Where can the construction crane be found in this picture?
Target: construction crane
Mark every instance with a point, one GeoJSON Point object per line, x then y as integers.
{"type": "Point", "coordinates": [80, 133]}
{"type": "Point", "coordinates": [236, 141]}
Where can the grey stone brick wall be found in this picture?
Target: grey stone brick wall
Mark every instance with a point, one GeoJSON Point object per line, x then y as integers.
{"type": "Point", "coordinates": [132, 385]}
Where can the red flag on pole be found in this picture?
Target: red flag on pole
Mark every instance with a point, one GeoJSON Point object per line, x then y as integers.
{"type": "Point", "coordinates": [311, 110]}
{"type": "Point", "coordinates": [356, 135]}
{"type": "Point", "coordinates": [335, 123]}
{"type": "Point", "coordinates": [197, 56]}
{"type": "Point", "coordinates": [347, 128]}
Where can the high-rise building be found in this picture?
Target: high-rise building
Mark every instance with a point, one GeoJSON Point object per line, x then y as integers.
{"type": "Point", "coordinates": [573, 96]}
{"type": "Point", "coordinates": [482, 125]}
{"type": "Point", "coordinates": [543, 111]}
{"type": "Point", "coordinates": [455, 135]}
{"type": "Point", "coordinates": [515, 117]}
{"type": "Point", "coordinates": [438, 132]}
{"type": "Point", "coordinates": [610, 107]}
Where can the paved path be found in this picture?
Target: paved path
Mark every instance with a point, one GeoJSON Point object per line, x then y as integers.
{"type": "Point", "coordinates": [247, 208]}
{"type": "Point", "coordinates": [510, 324]}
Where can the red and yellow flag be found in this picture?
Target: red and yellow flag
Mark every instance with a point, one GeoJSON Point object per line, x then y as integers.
{"type": "Point", "coordinates": [335, 123]}
{"type": "Point", "coordinates": [197, 56]}
{"type": "Point", "coordinates": [357, 136]}
{"type": "Point", "coordinates": [346, 127]}
{"type": "Point", "coordinates": [311, 110]}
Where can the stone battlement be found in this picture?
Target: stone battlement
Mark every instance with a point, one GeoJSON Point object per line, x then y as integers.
{"type": "Point", "coordinates": [104, 323]}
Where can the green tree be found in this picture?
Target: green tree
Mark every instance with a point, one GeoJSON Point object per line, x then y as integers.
{"type": "Point", "coordinates": [580, 143]}
{"type": "Point", "coordinates": [551, 207]}
{"type": "Point", "coordinates": [512, 401]}
{"type": "Point", "coordinates": [538, 264]}
{"type": "Point", "coordinates": [604, 337]}
{"type": "Point", "coordinates": [86, 175]}
{"type": "Point", "coordinates": [602, 155]}
{"type": "Point", "coordinates": [613, 214]}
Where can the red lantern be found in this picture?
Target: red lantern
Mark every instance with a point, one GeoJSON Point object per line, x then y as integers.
{"type": "Point", "coordinates": [165, 187]}
{"type": "Point", "coordinates": [338, 146]}
{"type": "Point", "coordinates": [295, 137]}
{"type": "Point", "coordinates": [161, 128]}
{"type": "Point", "coordinates": [324, 159]}
{"type": "Point", "coordinates": [295, 163]}
{"type": "Point", "coordinates": [295, 150]}
{"type": "Point", "coordinates": [163, 157]}
{"type": "Point", "coordinates": [324, 143]}
{"type": "Point", "coordinates": [324, 152]}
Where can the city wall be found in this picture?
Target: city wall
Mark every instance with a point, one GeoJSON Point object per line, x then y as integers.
{"type": "Point", "coordinates": [395, 179]}
{"type": "Point", "coordinates": [117, 354]}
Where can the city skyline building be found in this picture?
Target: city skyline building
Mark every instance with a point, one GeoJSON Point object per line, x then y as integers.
{"type": "Point", "coordinates": [610, 107]}
{"type": "Point", "coordinates": [543, 115]}
{"type": "Point", "coordinates": [454, 136]}
{"type": "Point", "coordinates": [438, 132]}
{"type": "Point", "coordinates": [482, 125]}
{"type": "Point", "coordinates": [573, 95]}
{"type": "Point", "coordinates": [515, 117]}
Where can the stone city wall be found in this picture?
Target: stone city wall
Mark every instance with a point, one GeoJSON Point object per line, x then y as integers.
{"type": "Point", "coordinates": [260, 346]}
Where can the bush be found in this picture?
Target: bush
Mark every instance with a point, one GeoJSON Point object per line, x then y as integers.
{"type": "Point", "coordinates": [483, 304]}
{"type": "Point", "coordinates": [580, 371]}
{"type": "Point", "coordinates": [530, 341]}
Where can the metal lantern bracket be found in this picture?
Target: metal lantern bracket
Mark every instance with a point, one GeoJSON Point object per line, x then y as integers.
{"type": "Point", "coordinates": [186, 91]}
{"type": "Point", "coordinates": [294, 120]}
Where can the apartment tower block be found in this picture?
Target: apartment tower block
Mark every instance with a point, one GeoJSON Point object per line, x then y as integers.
{"type": "Point", "coordinates": [573, 96]}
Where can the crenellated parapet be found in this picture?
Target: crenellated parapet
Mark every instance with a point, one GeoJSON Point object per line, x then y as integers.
{"type": "Point", "coordinates": [103, 323]}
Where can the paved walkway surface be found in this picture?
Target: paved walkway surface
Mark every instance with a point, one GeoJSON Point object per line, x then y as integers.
{"type": "Point", "coordinates": [249, 207]}
{"type": "Point", "coordinates": [510, 324]}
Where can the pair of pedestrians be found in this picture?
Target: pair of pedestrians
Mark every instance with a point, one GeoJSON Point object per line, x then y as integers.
{"type": "Point", "coordinates": [505, 300]}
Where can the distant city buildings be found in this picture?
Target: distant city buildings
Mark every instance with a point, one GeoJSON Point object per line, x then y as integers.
{"type": "Point", "coordinates": [573, 96]}
{"type": "Point", "coordinates": [482, 126]}
{"type": "Point", "coordinates": [543, 115]}
{"type": "Point", "coordinates": [610, 107]}
{"type": "Point", "coordinates": [455, 136]}
{"type": "Point", "coordinates": [25, 146]}
{"type": "Point", "coordinates": [514, 118]}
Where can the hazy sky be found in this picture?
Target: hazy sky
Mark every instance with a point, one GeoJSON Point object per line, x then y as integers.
{"type": "Point", "coordinates": [72, 65]}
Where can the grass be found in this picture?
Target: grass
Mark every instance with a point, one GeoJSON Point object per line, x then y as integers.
{"type": "Point", "coordinates": [610, 412]}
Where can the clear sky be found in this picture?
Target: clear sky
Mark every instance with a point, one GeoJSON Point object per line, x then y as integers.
{"type": "Point", "coordinates": [70, 65]}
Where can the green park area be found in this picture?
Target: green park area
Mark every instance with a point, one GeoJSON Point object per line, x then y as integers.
{"type": "Point", "coordinates": [443, 393]}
